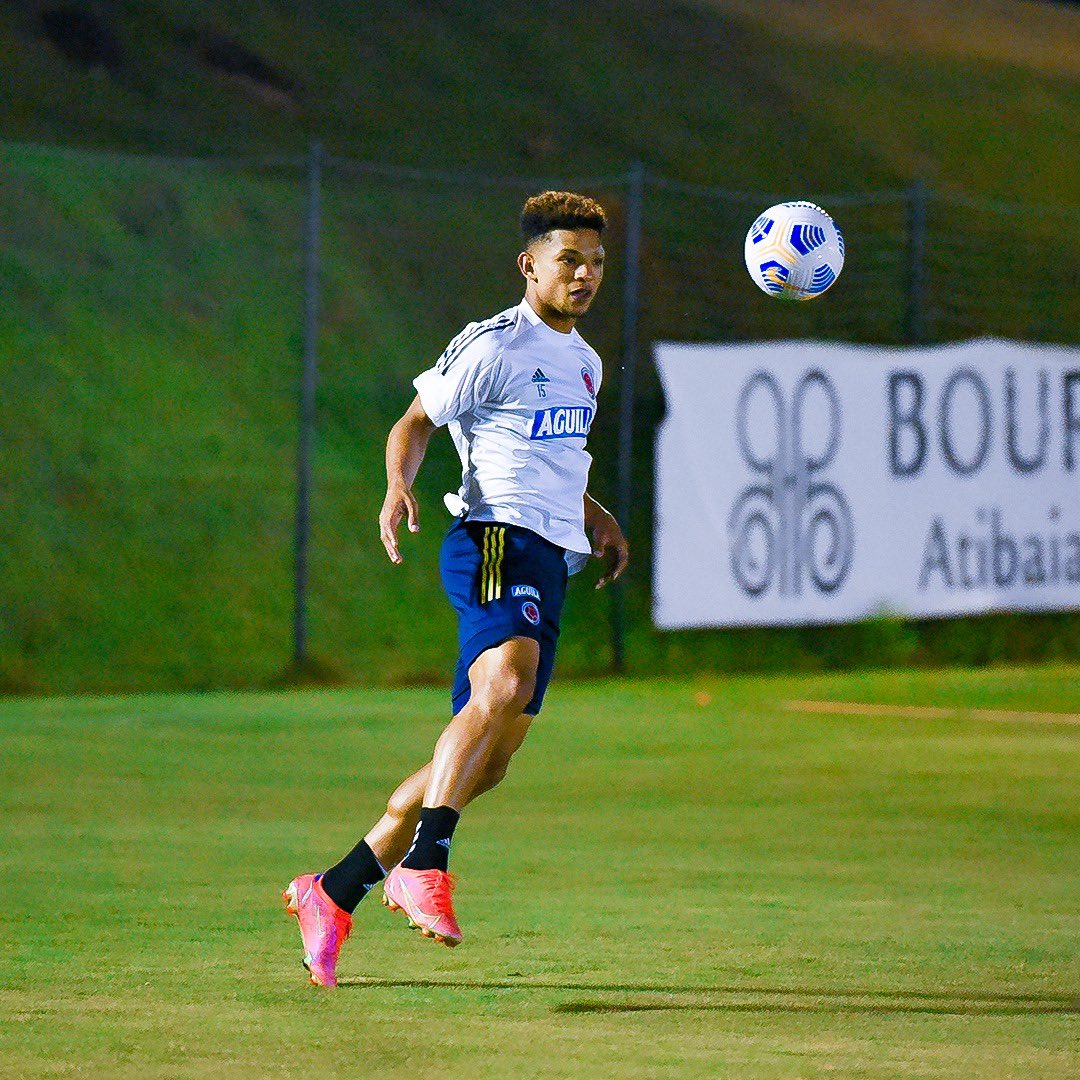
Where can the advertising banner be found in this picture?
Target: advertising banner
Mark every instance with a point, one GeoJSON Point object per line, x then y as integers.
{"type": "Point", "coordinates": [807, 482]}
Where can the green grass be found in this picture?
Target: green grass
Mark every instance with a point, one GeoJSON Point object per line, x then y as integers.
{"type": "Point", "coordinates": [676, 879]}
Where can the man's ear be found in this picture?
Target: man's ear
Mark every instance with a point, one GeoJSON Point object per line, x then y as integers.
{"type": "Point", "coordinates": [526, 265]}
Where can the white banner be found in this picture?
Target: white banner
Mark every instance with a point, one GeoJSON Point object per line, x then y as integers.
{"type": "Point", "coordinates": [805, 482]}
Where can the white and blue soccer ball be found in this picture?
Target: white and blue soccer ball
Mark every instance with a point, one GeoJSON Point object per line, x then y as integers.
{"type": "Point", "coordinates": [794, 251]}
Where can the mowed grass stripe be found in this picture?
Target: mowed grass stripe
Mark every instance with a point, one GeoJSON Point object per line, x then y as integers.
{"type": "Point", "coordinates": [856, 708]}
{"type": "Point", "coordinates": [853, 999]}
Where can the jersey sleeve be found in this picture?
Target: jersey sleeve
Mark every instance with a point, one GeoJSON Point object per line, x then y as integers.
{"type": "Point", "coordinates": [460, 382]}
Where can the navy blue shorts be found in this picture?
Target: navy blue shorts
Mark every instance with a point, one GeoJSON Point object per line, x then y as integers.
{"type": "Point", "coordinates": [503, 581]}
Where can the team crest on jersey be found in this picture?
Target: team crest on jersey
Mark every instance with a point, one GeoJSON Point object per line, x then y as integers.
{"type": "Point", "coordinates": [586, 378]}
{"type": "Point", "coordinates": [531, 612]}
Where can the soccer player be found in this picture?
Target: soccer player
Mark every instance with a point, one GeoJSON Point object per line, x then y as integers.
{"type": "Point", "coordinates": [518, 392]}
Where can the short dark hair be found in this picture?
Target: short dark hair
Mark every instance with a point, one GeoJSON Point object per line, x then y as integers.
{"type": "Point", "coordinates": [559, 210]}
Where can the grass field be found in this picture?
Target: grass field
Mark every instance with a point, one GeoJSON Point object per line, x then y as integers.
{"type": "Point", "coordinates": [689, 880]}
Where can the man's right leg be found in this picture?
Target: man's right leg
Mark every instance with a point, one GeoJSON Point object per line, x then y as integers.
{"type": "Point", "coordinates": [392, 834]}
{"type": "Point", "coordinates": [323, 903]}
{"type": "Point", "coordinates": [350, 880]}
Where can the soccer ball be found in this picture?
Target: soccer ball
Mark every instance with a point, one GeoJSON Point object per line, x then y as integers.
{"type": "Point", "coordinates": [794, 251]}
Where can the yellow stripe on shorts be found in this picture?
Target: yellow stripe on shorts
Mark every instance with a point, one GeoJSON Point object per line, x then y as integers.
{"type": "Point", "coordinates": [491, 567]}
{"type": "Point", "coordinates": [484, 566]}
{"type": "Point", "coordinates": [498, 565]}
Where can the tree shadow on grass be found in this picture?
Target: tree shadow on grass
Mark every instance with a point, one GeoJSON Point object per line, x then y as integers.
{"type": "Point", "coordinates": [655, 997]}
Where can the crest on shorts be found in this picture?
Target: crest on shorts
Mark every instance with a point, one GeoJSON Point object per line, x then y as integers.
{"type": "Point", "coordinates": [586, 378]}
{"type": "Point", "coordinates": [531, 612]}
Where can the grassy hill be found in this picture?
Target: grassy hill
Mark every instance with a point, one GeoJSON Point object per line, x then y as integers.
{"type": "Point", "coordinates": [150, 330]}
{"type": "Point", "coordinates": [718, 91]}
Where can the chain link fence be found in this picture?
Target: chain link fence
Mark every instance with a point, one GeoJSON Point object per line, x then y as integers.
{"type": "Point", "coordinates": [157, 317]}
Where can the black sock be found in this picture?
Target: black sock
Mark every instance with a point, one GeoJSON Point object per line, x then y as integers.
{"type": "Point", "coordinates": [350, 880]}
{"type": "Point", "coordinates": [431, 846]}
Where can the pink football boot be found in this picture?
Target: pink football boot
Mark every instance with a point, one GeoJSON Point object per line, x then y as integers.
{"type": "Point", "coordinates": [323, 926]}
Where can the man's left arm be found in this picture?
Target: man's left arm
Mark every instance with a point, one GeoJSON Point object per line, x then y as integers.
{"type": "Point", "coordinates": [608, 543]}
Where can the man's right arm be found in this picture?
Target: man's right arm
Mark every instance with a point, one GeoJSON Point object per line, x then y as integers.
{"type": "Point", "coordinates": [405, 448]}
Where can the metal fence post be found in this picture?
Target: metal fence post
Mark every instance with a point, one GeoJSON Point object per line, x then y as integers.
{"type": "Point", "coordinates": [635, 200]}
{"type": "Point", "coordinates": [914, 321]}
{"type": "Point", "coordinates": [308, 379]}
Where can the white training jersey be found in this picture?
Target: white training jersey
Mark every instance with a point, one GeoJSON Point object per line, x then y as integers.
{"type": "Point", "coordinates": [519, 398]}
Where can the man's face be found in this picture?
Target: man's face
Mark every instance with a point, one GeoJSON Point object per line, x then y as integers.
{"type": "Point", "coordinates": [563, 270]}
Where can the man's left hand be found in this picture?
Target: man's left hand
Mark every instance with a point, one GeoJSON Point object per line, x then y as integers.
{"type": "Point", "coordinates": [609, 546]}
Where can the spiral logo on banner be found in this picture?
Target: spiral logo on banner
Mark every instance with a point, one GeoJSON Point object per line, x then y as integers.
{"type": "Point", "coordinates": [791, 528]}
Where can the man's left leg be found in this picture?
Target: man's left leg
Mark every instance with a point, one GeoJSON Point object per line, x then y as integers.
{"type": "Point", "coordinates": [471, 757]}
{"type": "Point", "coordinates": [323, 903]}
{"type": "Point", "coordinates": [488, 746]}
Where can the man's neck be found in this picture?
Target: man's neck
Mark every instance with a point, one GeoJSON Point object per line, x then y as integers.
{"type": "Point", "coordinates": [562, 324]}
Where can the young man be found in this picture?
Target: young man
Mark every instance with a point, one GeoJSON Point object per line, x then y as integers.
{"type": "Point", "coordinates": [518, 392]}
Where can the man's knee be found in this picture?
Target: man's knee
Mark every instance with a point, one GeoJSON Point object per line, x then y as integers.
{"type": "Point", "coordinates": [512, 690]}
{"type": "Point", "coordinates": [506, 681]}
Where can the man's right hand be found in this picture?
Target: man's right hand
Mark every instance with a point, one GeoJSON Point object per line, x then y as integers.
{"type": "Point", "coordinates": [405, 446]}
{"type": "Point", "coordinates": [399, 503]}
